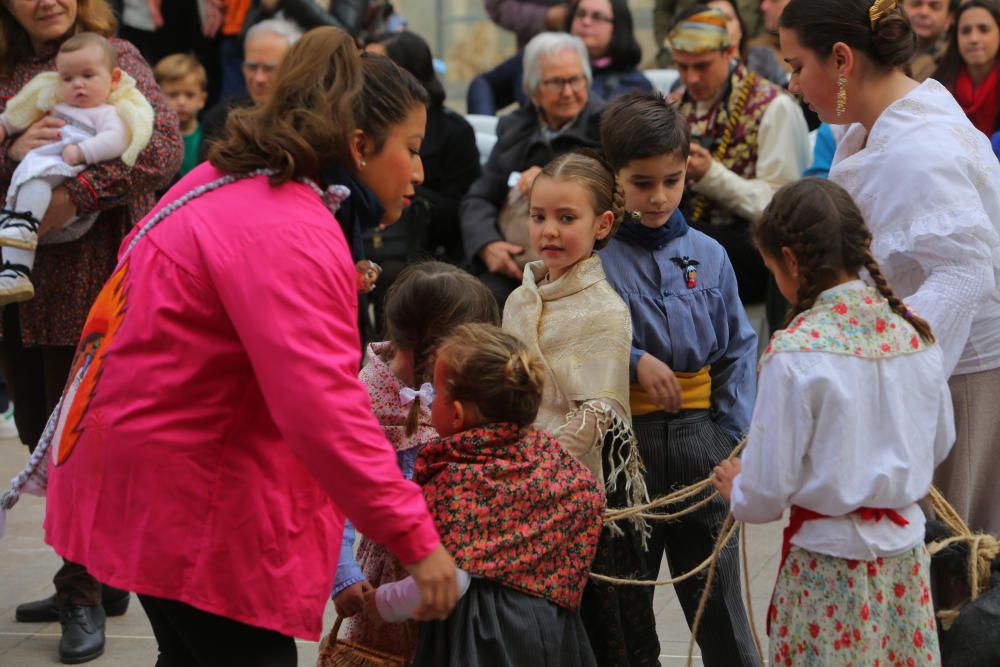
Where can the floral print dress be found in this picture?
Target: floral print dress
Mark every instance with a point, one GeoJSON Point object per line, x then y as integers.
{"type": "Point", "coordinates": [378, 565]}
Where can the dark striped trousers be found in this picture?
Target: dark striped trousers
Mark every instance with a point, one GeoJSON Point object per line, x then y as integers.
{"type": "Point", "coordinates": [679, 450]}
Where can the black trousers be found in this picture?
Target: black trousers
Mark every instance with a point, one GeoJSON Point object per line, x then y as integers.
{"type": "Point", "coordinates": [36, 377]}
{"type": "Point", "coordinates": [678, 451]}
{"type": "Point", "coordinates": [189, 637]}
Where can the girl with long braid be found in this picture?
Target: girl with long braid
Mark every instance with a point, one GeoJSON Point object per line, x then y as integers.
{"type": "Point", "coordinates": [853, 414]}
{"type": "Point", "coordinates": [572, 319]}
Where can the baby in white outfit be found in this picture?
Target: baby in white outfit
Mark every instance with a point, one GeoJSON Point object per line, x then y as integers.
{"type": "Point", "coordinates": [94, 132]}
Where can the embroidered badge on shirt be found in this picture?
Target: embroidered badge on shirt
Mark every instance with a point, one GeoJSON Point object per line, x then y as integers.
{"type": "Point", "coordinates": [687, 265]}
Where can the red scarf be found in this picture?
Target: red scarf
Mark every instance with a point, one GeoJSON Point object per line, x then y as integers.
{"type": "Point", "coordinates": [513, 507]}
{"type": "Point", "coordinates": [980, 104]}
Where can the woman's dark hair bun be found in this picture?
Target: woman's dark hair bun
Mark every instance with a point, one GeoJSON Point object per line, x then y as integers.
{"type": "Point", "coordinates": [893, 41]}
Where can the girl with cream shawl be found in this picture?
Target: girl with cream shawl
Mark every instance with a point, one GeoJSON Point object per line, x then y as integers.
{"type": "Point", "coordinates": [570, 317]}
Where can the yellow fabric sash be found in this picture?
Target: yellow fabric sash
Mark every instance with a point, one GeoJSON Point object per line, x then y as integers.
{"type": "Point", "coordinates": [696, 393]}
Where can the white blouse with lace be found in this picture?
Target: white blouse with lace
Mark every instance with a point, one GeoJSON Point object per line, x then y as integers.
{"type": "Point", "coordinates": [928, 184]}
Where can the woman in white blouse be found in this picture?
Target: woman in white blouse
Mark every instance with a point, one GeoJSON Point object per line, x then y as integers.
{"type": "Point", "coordinates": [928, 184]}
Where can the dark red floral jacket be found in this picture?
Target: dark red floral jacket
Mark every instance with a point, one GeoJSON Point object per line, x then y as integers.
{"type": "Point", "coordinates": [68, 276]}
{"type": "Point", "coordinates": [513, 507]}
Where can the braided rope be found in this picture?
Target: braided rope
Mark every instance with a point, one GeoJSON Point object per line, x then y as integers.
{"type": "Point", "coordinates": [983, 548]}
{"type": "Point", "coordinates": [18, 483]}
{"type": "Point", "coordinates": [191, 195]}
{"type": "Point", "coordinates": [725, 536]}
{"type": "Point", "coordinates": [613, 515]}
{"type": "Point", "coordinates": [727, 137]}
{"type": "Point", "coordinates": [744, 556]}
{"type": "Point", "coordinates": [731, 524]}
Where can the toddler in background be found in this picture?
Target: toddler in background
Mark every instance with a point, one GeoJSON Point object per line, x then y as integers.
{"type": "Point", "coordinates": [185, 85]}
{"type": "Point", "coordinates": [106, 117]}
{"type": "Point", "coordinates": [520, 516]}
{"type": "Point", "coordinates": [691, 363]}
{"type": "Point", "coordinates": [853, 415]}
{"type": "Point", "coordinates": [571, 318]}
{"type": "Point", "coordinates": [422, 307]}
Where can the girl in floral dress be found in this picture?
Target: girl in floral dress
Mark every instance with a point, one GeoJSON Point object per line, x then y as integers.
{"type": "Point", "coordinates": [520, 515]}
{"type": "Point", "coordinates": [853, 414]}
{"type": "Point", "coordinates": [425, 303]}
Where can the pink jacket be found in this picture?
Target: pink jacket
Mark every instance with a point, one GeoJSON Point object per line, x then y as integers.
{"type": "Point", "coordinates": [220, 434]}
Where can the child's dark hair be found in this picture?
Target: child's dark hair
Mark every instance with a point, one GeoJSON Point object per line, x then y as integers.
{"type": "Point", "coordinates": [494, 371]}
{"type": "Point", "coordinates": [639, 125]}
{"type": "Point", "coordinates": [388, 96]}
{"type": "Point", "coordinates": [592, 171]}
{"type": "Point", "coordinates": [425, 303]}
{"type": "Point", "coordinates": [819, 221]}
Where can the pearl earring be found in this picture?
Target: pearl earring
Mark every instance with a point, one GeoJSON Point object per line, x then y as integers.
{"type": "Point", "coordinates": [363, 164]}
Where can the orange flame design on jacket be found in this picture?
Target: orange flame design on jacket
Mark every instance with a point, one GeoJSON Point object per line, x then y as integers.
{"type": "Point", "coordinates": [99, 332]}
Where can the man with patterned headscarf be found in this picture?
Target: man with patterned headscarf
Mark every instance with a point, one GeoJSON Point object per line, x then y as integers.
{"type": "Point", "coordinates": [749, 138]}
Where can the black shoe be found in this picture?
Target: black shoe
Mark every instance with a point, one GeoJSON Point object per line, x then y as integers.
{"type": "Point", "coordinates": [82, 634]}
{"type": "Point", "coordinates": [39, 611]}
{"type": "Point", "coordinates": [114, 600]}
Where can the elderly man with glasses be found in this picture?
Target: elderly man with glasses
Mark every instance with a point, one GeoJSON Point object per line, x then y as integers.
{"type": "Point", "coordinates": [263, 49]}
{"type": "Point", "coordinates": [563, 116]}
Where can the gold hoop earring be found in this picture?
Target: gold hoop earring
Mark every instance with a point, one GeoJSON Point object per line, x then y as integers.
{"type": "Point", "coordinates": [841, 95]}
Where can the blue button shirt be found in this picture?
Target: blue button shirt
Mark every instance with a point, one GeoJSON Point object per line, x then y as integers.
{"type": "Point", "coordinates": [688, 328]}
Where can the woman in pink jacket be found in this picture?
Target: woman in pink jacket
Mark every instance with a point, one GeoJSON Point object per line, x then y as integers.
{"type": "Point", "coordinates": [214, 434]}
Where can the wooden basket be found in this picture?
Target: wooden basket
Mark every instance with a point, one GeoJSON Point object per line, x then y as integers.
{"type": "Point", "coordinates": [335, 652]}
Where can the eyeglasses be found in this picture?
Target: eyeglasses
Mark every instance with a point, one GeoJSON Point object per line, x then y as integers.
{"type": "Point", "coordinates": [596, 17]}
{"type": "Point", "coordinates": [576, 84]}
{"type": "Point", "coordinates": [251, 68]}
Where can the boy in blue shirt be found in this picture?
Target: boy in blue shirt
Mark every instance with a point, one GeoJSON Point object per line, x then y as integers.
{"type": "Point", "coordinates": [692, 359]}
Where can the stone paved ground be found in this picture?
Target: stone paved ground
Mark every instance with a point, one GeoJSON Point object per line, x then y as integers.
{"type": "Point", "coordinates": [27, 565]}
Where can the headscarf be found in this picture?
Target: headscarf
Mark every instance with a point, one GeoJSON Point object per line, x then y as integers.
{"type": "Point", "coordinates": [703, 32]}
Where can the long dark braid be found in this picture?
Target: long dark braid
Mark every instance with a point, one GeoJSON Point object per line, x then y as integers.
{"type": "Point", "coordinates": [423, 371]}
{"type": "Point", "coordinates": [900, 308]}
{"type": "Point", "coordinates": [819, 221]}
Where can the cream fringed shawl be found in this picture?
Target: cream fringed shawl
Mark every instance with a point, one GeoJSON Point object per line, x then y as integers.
{"type": "Point", "coordinates": [581, 330]}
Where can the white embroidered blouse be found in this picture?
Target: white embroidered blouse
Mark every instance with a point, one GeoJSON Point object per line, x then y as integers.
{"type": "Point", "coordinates": [928, 184]}
{"type": "Point", "coordinates": [852, 411]}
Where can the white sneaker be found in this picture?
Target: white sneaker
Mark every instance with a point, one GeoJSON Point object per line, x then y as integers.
{"type": "Point", "coordinates": [15, 286]}
{"type": "Point", "coordinates": [7, 428]}
{"type": "Point", "coordinates": [18, 229]}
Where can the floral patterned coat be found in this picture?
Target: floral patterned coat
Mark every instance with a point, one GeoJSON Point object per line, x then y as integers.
{"type": "Point", "coordinates": [68, 276]}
